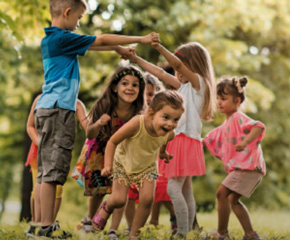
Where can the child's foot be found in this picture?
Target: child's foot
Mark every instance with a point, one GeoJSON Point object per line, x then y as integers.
{"type": "Point", "coordinates": [112, 234]}
{"type": "Point", "coordinates": [31, 233]}
{"type": "Point", "coordinates": [99, 221]}
{"type": "Point", "coordinates": [219, 236]}
{"type": "Point", "coordinates": [126, 231]}
{"type": "Point", "coordinates": [252, 236]}
{"type": "Point", "coordinates": [178, 236]}
{"type": "Point", "coordinates": [86, 225]}
{"type": "Point", "coordinates": [54, 231]}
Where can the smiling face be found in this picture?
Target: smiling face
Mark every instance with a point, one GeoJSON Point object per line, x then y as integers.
{"type": "Point", "coordinates": [227, 104]}
{"type": "Point", "coordinates": [128, 89]}
{"type": "Point", "coordinates": [165, 120]}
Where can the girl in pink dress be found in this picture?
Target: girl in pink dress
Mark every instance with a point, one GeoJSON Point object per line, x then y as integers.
{"type": "Point", "coordinates": [237, 143]}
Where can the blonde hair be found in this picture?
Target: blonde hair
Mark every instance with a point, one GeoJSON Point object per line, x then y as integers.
{"type": "Point", "coordinates": [198, 60]}
{"type": "Point", "coordinates": [56, 7]}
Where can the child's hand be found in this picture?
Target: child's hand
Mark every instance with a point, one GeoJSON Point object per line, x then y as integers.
{"type": "Point", "coordinates": [124, 51]}
{"type": "Point", "coordinates": [240, 146]}
{"type": "Point", "coordinates": [155, 45]}
{"type": "Point", "coordinates": [107, 171]}
{"type": "Point", "coordinates": [132, 57]}
{"type": "Point", "coordinates": [150, 38]}
{"type": "Point", "coordinates": [104, 119]}
{"type": "Point", "coordinates": [166, 156]}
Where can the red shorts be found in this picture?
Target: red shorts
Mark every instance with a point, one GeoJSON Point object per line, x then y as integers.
{"type": "Point", "coordinates": [133, 193]}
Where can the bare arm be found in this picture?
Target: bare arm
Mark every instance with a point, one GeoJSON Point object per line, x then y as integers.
{"type": "Point", "coordinates": [126, 131]}
{"type": "Point", "coordinates": [155, 70]}
{"type": "Point", "coordinates": [82, 114]}
{"type": "Point", "coordinates": [30, 125]}
{"type": "Point", "coordinates": [113, 39]}
{"type": "Point", "coordinates": [178, 66]}
{"type": "Point", "coordinates": [253, 134]}
{"type": "Point", "coordinates": [163, 154]}
{"type": "Point", "coordinates": [93, 128]}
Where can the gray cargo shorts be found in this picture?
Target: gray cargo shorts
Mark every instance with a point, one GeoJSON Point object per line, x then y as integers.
{"type": "Point", "coordinates": [56, 134]}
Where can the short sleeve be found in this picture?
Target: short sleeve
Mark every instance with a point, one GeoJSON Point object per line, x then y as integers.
{"type": "Point", "coordinates": [213, 141]}
{"type": "Point", "coordinates": [246, 124]}
{"type": "Point", "coordinates": [75, 44]}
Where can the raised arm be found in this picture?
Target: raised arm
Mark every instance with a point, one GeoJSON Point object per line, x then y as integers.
{"type": "Point", "coordinates": [126, 131]}
{"type": "Point", "coordinates": [178, 66]}
{"type": "Point", "coordinates": [82, 114]}
{"type": "Point", "coordinates": [30, 125]}
{"type": "Point", "coordinates": [155, 70]}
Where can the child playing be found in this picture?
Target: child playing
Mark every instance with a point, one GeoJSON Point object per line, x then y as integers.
{"type": "Point", "coordinates": [55, 109]}
{"type": "Point", "coordinates": [153, 85]}
{"type": "Point", "coordinates": [131, 154]}
{"type": "Point", "coordinates": [32, 161]}
{"type": "Point", "coordinates": [237, 143]}
{"type": "Point", "coordinates": [122, 99]}
{"type": "Point", "coordinates": [194, 80]}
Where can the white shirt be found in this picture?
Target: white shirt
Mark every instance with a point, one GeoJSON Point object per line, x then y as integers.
{"type": "Point", "coordinates": [190, 121]}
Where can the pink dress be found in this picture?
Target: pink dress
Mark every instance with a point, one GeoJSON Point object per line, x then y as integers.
{"type": "Point", "coordinates": [221, 143]}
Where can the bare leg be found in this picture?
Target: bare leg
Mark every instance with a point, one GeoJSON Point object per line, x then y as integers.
{"type": "Point", "coordinates": [146, 197]}
{"type": "Point", "coordinates": [56, 207]}
{"type": "Point", "coordinates": [155, 213]}
{"type": "Point", "coordinates": [130, 212]}
{"type": "Point", "coordinates": [94, 204]}
{"type": "Point", "coordinates": [32, 209]}
{"type": "Point", "coordinates": [47, 197]}
{"type": "Point", "coordinates": [116, 218]}
{"type": "Point", "coordinates": [224, 209]}
{"type": "Point", "coordinates": [169, 206]}
{"type": "Point", "coordinates": [37, 205]}
{"type": "Point", "coordinates": [241, 212]}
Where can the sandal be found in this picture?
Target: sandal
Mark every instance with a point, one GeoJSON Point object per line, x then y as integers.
{"type": "Point", "coordinates": [252, 236]}
{"type": "Point", "coordinates": [218, 236]}
{"type": "Point", "coordinates": [98, 221]}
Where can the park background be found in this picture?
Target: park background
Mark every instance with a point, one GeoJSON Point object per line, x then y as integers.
{"type": "Point", "coordinates": [244, 37]}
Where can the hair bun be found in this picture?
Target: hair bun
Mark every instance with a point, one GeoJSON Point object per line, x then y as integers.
{"type": "Point", "coordinates": [243, 81]}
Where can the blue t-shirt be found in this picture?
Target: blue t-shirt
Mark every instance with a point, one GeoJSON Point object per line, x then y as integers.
{"type": "Point", "coordinates": [60, 50]}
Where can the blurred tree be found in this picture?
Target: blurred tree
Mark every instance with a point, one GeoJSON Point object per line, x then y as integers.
{"type": "Point", "coordinates": [244, 37]}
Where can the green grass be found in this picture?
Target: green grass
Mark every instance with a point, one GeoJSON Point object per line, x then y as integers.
{"type": "Point", "coordinates": [270, 225]}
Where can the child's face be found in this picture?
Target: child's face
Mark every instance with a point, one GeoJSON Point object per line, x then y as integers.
{"type": "Point", "coordinates": [128, 89]}
{"type": "Point", "coordinates": [227, 104]}
{"type": "Point", "coordinates": [149, 93]}
{"type": "Point", "coordinates": [73, 17]}
{"type": "Point", "coordinates": [165, 120]}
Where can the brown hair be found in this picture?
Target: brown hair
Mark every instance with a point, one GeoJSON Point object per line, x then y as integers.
{"type": "Point", "coordinates": [198, 60]}
{"type": "Point", "coordinates": [167, 97]}
{"type": "Point", "coordinates": [232, 86]}
{"type": "Point", "coordinates": [56, 7]}
{"type": "Point", "coordinates": [109, 99]}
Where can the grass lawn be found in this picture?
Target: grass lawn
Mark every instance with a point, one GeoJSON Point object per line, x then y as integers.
{"type": "Point", "coordinates": [270, 225]}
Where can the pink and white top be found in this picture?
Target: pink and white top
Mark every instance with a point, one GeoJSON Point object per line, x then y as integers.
{"type": "Point", "coordinates": [221, 143]}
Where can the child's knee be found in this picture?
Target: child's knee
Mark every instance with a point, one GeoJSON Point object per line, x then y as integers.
{"type": "Point", "coordinates": [118, 202]}
{"type": "Point", "coordinates": [146, 200]}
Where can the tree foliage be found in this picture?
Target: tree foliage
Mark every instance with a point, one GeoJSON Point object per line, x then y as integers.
{"type": "Point", "coordinates": [244, 37]}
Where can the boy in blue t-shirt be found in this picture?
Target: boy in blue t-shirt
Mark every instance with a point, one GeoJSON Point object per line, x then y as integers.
{"type": "Point", "coordinates": [54, 112]}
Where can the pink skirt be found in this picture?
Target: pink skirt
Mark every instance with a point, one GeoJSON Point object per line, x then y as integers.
{"type": "Point", "coordinates": [188, 158]}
